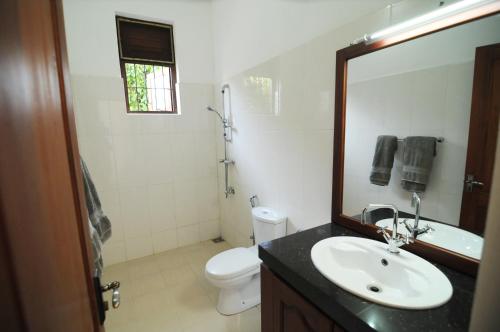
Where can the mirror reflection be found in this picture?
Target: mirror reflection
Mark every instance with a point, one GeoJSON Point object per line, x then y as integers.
{"type": "Point", "coordinates": [417, 138]}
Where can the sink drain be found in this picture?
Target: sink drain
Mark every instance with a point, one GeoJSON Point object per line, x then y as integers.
{"type": "Point", "coordinates": [373, 288]}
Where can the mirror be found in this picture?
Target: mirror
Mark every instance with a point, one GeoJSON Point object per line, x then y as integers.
{"type": "Point", "coordinates": [416, 100]}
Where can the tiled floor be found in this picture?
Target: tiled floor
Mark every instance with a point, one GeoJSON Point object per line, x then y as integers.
{"type": "Point", "coordinates": [168, 293]}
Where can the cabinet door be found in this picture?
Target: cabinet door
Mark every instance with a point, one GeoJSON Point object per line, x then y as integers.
{"type": "Point", "coordinates": [285, 310]}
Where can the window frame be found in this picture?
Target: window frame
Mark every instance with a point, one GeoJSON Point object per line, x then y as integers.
{"type": "Point", "coordinates": [171, 65]}
{"type": "Point", "coordinates": [173, 82]}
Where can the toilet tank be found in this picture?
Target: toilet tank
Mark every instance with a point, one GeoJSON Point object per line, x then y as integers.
{"type": "Point", "coordinates": [268, 224]}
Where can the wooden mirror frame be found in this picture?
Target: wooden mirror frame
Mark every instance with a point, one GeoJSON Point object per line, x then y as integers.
{"type": "Point", "coordinates": [437, 254]}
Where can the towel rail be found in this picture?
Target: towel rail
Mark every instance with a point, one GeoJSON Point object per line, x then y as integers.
{"type": "Point", "coordinates": [438, 139]}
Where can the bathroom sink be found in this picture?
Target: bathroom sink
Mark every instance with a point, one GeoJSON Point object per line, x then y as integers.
{"type": "Point", "coordinates": [365, 268]}
{"type": "Point", "coordinates": [445, 236]}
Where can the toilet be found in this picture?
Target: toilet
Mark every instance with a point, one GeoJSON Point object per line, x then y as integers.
{"type": "Point", "coordinates": [237, 271]}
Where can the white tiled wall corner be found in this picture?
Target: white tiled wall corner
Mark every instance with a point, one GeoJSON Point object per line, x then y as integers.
{"type": "Point", "coordinates": [209, 230]}
{"type": "Point", "coordinates": [280, 154]}
{"type": "Point", "coordinates": [156, 173]}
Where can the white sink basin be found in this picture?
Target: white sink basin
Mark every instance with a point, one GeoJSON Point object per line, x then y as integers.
{"type": "Point", "coordinates": [445, 236]}
{"type": "Point", "coordinates": [365, 268]}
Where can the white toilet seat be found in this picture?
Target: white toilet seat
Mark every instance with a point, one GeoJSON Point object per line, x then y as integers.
{"type": "Point", "coordinates": [237, 273]}
{"type": "Point", "coordinates": [233, 264]}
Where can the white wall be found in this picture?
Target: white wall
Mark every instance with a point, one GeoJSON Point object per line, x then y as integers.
{"type": "Point", "coordinates": [429, 102]}
{"type": "Point", "coordinates": [487, 296]}
{"type": "Point", "coordinates": [283, 139]}
{"type": "Point", "coordinates": [247, 33]}
{"type": "Point", "coordinates": [156, 173]}
{"type": "Point", "coordinates": [435, 50]}
{"type": "Point", "coordinates": [92, 42]}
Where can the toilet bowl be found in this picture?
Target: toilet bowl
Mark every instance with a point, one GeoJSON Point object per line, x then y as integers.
{"type": "Point", "coordinates": [237, 271]}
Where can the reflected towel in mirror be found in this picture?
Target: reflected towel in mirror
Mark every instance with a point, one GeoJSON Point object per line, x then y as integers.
{"type": "Point", "coordinates": [418, 155]}
{"type": "Point", "coordinates": [383, 160]}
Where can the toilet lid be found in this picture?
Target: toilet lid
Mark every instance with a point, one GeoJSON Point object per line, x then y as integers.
{"type": "Point", "coordinates": [232, 263]}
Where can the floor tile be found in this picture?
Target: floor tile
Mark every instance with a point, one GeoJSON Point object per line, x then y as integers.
{"type": "Point", "coordinates": [168, 292]}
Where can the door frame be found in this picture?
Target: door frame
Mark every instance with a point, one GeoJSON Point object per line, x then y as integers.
{"type": "Point", "coordinates": [51, 72]}
{"type": "Point", "coordinates": [74, 157]}
{"type": "Point", "coordinates": [481, 147]}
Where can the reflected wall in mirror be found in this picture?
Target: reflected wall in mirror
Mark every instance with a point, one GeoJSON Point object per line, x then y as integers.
{"type": "Point", "coordinates": [412, 94]}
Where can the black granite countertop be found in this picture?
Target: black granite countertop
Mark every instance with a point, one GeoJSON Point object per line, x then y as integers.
{"type": "Point", "coordinates": [290, 258]}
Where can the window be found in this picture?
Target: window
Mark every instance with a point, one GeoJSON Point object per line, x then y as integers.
{"type": "Point", "coordinates": [147, 62]}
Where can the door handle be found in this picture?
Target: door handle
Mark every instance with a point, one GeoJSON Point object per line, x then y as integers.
{"type": "Point", "coordinates": [470, 183]}
{"type": "Point", "coordinates": [113, 286]}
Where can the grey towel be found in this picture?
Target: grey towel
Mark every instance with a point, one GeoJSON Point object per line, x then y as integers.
{"type": "Point", "coordinates": [101, 226]}
{"type": "Point", "coordinates": [419, 152]}
{"type": "Point", "coordinates": [96, 251]}
{"type": "Point", "coordinates": [383, 159]}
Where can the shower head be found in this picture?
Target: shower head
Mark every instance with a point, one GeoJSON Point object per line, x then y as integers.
{"type": "Point", "coordinates": [210, 109]}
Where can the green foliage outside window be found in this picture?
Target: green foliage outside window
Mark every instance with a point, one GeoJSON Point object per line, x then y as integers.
{"type": "Point", "coordinates": [137, 87]}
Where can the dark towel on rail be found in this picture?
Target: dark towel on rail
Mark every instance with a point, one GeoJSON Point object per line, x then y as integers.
{"type": "Point", "coordinates": [383, 159]}
{"type": "Point", "coordinates": [418, 155]}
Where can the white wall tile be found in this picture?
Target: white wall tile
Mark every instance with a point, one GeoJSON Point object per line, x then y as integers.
{"type": "Point", "coordinates": [154, 123]}
{"type": "Point", "coordinates": [186, 207]}
{"type": "Point", "coordinates": [155, 172]}
{"type": "Point", "coordinates": [114, 253]}
{"type": "Point", "coordinates": [94, 117]}
{"type": "Point", "coordinates": [164, 240]}
{"type": "Point", "coordinates": [159, 160]}
{"type": "Point", "coordinates": [206, 154]}
{"type": "Point", "coordinates": [161, 200]}
{"type": "Point", "coordinates": [139, 247]}
{"type": "Point", "coordinates": [135, 211]}
{"type": "Point", "coordinates": [207, 199]}
{"type": "Point", "coordinates": [184, 155]}
{"type": "Point", "coordinates": [188, 235]}
{"type": "Point", "coordinates": [130, 161]}
{"type": "Point", "coordinates": [123, 123]}
{"type": "Point", "coordinates": [209, 230]}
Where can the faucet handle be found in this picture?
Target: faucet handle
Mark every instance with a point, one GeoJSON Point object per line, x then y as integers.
{"type": "Point", "coordinates": [408, 238]}
{"type": "Point", "coordinates": [383, 230]}
{"type": "Point", "coordinates": [407, 226]}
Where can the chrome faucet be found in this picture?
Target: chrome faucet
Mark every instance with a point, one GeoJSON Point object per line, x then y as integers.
{"type": "Point", "coordinates": [395, 240]}
{"type": "Point", "coordinates": [415, 230]}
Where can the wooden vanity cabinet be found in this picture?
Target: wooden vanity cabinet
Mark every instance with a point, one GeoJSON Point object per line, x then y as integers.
{"type": "Point", "coordinates": [285, 310]}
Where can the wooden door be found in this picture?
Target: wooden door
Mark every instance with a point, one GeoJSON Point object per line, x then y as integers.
{"type": "Point", "coordinates": [45, 280]}
{"type": "Point", "coordinates": [483, 131]}
{"type": "Point", "coordinates": [285, 310]}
